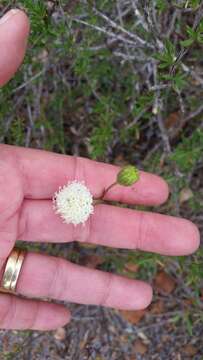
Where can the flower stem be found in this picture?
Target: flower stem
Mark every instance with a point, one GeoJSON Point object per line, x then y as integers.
{"type": "Point", "coordinates": [99, 199]}
{"type": "Point", "coordinates": [107, 189]}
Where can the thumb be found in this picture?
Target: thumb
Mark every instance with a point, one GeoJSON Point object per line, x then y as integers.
{"type": "Point", "coordinates": [14, 30]}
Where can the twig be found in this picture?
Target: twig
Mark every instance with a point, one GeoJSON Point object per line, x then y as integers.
{"type": "Point", "coordinates": [194, 113]}
{"type": "Point", "coordinates": [124, 12]}
{"type": "Point", "coordinates": [114, 25]}
{"type": "Point", "coordinates": [28, 81]}
{"type": "Point", "coordinates": [139, 116]}
{"type": "Point", "coordinates": [183, 52]}
{"type": "Point", "coordinates": [158, 108]}
{"type": "Point", "coordinates": [192, 73]}
{"type": "Point", "coordinates": [152, 27]}
{"type": "Point", "coordinates": [137, 13]}
{"type": "Point", "coordinates": [104, 31]}
{"type": "Point", "coordinates": [162, 127]}
{"type": "Point", "coordinates": [198, 16]}
{"type": "Point", "coordinates": [30, 126]}
{"type": "Point", "coordinates": [189, 117]}
{"type": "Point", "coordinates": [181, 102]}
{"type": "Point", "coordinates": [125, 45]}
{"type": "Point", "coordinates": [172, 24]}
{"type": "Point", "coordinates": [10, 118]}
{"type": "Point", "coordinates": [124, 56]}
{"type": "Point", "coordinates": [154, 325]}
{"type": "Point", "coordinates": [159, 87]}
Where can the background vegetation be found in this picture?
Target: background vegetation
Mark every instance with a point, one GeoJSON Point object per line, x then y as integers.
{"type": "Point", "coordinates": [121, 82]}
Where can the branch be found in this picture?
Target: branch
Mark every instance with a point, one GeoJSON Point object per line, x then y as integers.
{"type": "Point", "coordinates": [114, 25]}
{"type": "Point", "coordinates": [104, 31]}
{"type": "Point", "coordinates": [158, 108]}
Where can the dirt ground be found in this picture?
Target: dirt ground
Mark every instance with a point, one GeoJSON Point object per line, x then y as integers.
{"type": "Point", "coordinates": [103, 334]}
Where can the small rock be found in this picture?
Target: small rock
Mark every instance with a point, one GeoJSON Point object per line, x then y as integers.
{"type": "Point", "coordinates": [185, 195]}
{"type": "Point", "coordinates": [140, 347]}
{"type": "Point", "coordinates": [131, 267]}
{"type": "Point", "coordinates": [60, 334]}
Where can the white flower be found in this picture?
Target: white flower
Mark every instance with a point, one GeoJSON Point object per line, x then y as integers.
{"type": "Point", "coordinates": [73, 202]}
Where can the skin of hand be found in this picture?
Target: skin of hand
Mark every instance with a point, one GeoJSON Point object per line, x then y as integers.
{"type": "Point", "coordinates": [28, 180]}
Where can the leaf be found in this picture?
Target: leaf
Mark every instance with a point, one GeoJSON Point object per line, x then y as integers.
{"type": "Point", "coordinates": [189, 323]}
{"type": "Point", "coordinates": [164, 65]}
{"type": "Point", "coordinates": [168, 56]}
{"type": "Point", "coordinates": [170, 47]}
{"type": "Point", "coordinates": [190, 350]}
{"type": "Point", "coordinates": [200, 38]}
{"type": "Point", "coordinates": [187, 42]}
{"type": "Point", "coordinates": [189, 151]}
{"type": "Point", "coordinates": [173, 120]}
{"type": "Point", "coordinates": [164, 282]}
{"type": "Point", "coordinates": [133, 317]}
{"type": "Point", "coordinates": [157, 307]}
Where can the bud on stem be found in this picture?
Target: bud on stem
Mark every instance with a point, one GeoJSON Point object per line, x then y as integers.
{"type": "Point", "coordinates": [127, 176]}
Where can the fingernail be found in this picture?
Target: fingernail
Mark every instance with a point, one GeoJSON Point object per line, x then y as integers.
{"type": "Point", "coordinates": [8, 15]}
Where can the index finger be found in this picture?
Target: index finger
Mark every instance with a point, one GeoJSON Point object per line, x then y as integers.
{"type": "Point", "coordinates": [43, 172]}
{"type": "Point", "coordinates": [14, 29]}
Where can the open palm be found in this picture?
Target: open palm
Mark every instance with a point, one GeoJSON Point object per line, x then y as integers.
{"type": "Point", "coordinates": [28, 180]}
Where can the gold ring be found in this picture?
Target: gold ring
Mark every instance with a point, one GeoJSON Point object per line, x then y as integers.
{"type": "Point", "coordinates": [12, 271]}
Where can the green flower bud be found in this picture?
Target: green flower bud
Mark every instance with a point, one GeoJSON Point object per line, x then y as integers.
{"type": "Point", "coordinates": [128, 175]}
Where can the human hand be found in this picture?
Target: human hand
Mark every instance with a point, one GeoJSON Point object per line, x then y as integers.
{"type": "Point", "coordinates": [28, 180]}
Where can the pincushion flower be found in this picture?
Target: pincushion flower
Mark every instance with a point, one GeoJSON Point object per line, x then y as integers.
{"type": "Point", "coordinates": [74, 203]}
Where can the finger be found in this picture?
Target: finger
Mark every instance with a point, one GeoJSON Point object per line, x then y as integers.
{"type": "Point", "coordinates": [58, 279]}
{"type": "Point", "coordinates": [43, 172]}
{"type": "Point", "coordinates": [111, 226]}
{"type": "Point", "coordinates": [21, 314]}
{"type": "Point", "coordinates": [14, 29]}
